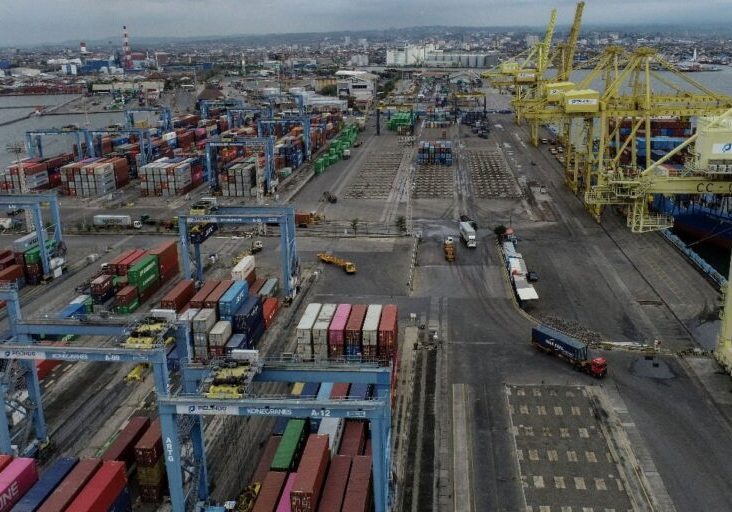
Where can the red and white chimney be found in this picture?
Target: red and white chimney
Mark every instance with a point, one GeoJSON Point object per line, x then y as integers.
{"type": "Point", "coordinates": [82, 47]}
{"type": "Point", "coordinates": [127, 53]}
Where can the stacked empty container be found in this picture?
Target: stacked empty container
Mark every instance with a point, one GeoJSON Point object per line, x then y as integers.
{"type": "Point", "coordinates": [388, 336]}
{"type": "Point", "coordinates": [238, 179]}
{"type": "Point", "coordinates": [145, 275]}
{"type": "Point", "coordinates": [304, 330]}
{"type": "Point", "coordinates": [202, 324]}
{"type": "Point", "coordinates": [370, 332]}
{"type": "Point", "coordinates": [320, 330]}
{"type": "Point", "coordinates": [218, 336]}
{"type": "Point", "coordinates": [150, 464]}
{"type": "Point", "coordinates": [336, 331]}
{"type": "Point", "coordinates": [353, 329]}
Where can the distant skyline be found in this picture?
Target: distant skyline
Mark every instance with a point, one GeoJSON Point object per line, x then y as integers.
{"type": "Point", "coordinates": [53, 21]}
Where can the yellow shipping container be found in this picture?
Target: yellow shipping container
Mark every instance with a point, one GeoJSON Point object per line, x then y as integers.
{"type": "Point", "coordinates": [526, 76]}
{"type": "Point", "coordinates": [582, 101]}
{"type": "Point", "coordinates": [553, 91]}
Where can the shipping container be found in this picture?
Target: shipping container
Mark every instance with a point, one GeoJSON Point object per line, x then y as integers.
{"type": "Point", "coordinates": [310, 390]}
{"type": "Point", "coordinates": [204, 320]}
{"type": "Point", "coordinates": [103, 490]}
{"type": "Point", "coordinates": [311, 472]}
{"type": "Point", "coordinates": [150, 446]}
{"type": "Point", "coordinates": [280, 426]}
{"type": "Point", "coordinates": [270, 288]}
{"type": "Point", "coordinates": [219, 334]}
{"type": "Point", "coordinates": [370, 331]}
{"type": "Point", "coordinates": [123, 447]}
{"type": "Point", "coordinates": [353, 439]}
{"type": "Point", "coordinates": [16, 479]}
{"type": "Point", "coordinates": [144, 274]}
{"type": "Point", "coordinates": [270, 492]}
{"type": "Point", "coordinates": [320, 330]}
{"type": "Point", "coordinates": [333, 428]}
{"type": "Point", "coordinates": [179, 296]}
{"type": "Point", "coordinates": [335, 484]}
{"type": "Point", "coordinates": [205, 291]}
{"type": "Point", "coordinates": [359, 391]}
{"type": "Point", "coordinates": [249, 316]}
{"type": "Point", "coordinates": [71, 486]}
{"type": "Point", "coordinates": [358, 491]}
{"type": "Point", "coordinates": [337, 331]}
{"type": "Point", "coordinates": [265, 461]}
{"type": "Point", "coordinates": [289, 450]}
{"type": "Point", "coordinates": [353, 329]}
{"type": "Point", "coordinates": [304, 330]}
{"type": "Point", "coordinates": [340, 391]}
{"type": "Point", "coordinates": [232, 300]}
{"type": "Point", "coordinates": [13, 274]}
{"type": "Point", "coordinates": [212, 301]}
{"type": "Point", "coordinates": [242, 269]}
{"type": "Point", "coordinates": [284, 504]}
{"type": "Point", "coordinates": [270, 307]}
{"type": "Point", "coordinates": [388, 336]}
{"type": "Point", "coordinates": [257, 286]}
{"type": "Point", "coordinates": [48, 482]}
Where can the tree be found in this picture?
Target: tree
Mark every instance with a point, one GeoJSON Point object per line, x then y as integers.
{"type": "Point", "coordinates": [500, 230]}
{"type": "Point", "coordinates": [329, 90]}
{"type": "Point", "coordinates": [354, 225]}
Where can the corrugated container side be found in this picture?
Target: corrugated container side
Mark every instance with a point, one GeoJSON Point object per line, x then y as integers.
{"type": "Point", "coordinates": [371, 325]}
{"type": "Point", "coordinates": [265, 461]}
{"type": "Point", "coordinates": [353, 439]}
{"type": "Point", "coordinates": [388, 331]}
{"type": "Point", "coordinates": [335, 484]}
{"type": "Point", "coordinates": [179, 295]}
{"type": "Point", "coordinates": [15, 480]}
{"type": "Point", "coordinates": [311, 473]}
{"type": "Point", "coordinates": [102, 491]}
{"type": "Point", "coordinates": [337, 330]}
{"type": "Point", "coordinates": [123, 447]}
{"type": "Point", "coordinates": [340, 391]}
{"type": "Point", "coordinates": [205, 291]}
{"type": "Point", "coordinates": [358, 491]}
{"type": "Point", "coordinates": [70, 487]}
{"type": "Point", "coordinates": [212, 301]}
{"type": "Point", "coordinates": [49, 480]}
{"type": "Point", "coordinates": [150, 446]}
{"type": "Point", "coordinates": [304, 329]}
{"type": "Point", "coordinates": [290, 448]}
{"type": "Point", "coordinates": [270, 492]}
{"type": "Point", "coordinates": [284, 504]}
{"type": "Point", "coordinates": [354, 327]}
{"type": "Point", "coordinates": [333, 428]}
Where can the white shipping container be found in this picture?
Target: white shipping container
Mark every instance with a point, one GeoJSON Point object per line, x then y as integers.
{"type": "Point", "coordinates": [320, 327]}
{"type": "Point", "coordinates": [204, 320]}
{"type": "Point", "coordinates": [80, 299]}
{"type": "Point", "coordinates": [305, 326]}
{"type": "Point", "coordinates": [333, 428]}
{"type": "Point", "coordinates": [169, 315]}
{"type": "Point", "coordinates": [220, 333]}
{"type": "Point", "coordinates": [188, 315]}
{"type": "Point", "coordinates": [370, 331]}
{"type": "Point", "coordinates": [242, 269]}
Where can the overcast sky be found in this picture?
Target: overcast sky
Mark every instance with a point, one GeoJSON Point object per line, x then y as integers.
{"type": "Point", "coordinates": [24, 22]}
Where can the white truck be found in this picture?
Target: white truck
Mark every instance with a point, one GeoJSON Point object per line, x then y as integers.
{"type": "Point", "coordinates": [117, 221]}
{"type": "Point", "coordinates": [467, 233]}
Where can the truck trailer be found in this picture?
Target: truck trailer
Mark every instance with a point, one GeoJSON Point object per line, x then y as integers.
{"type": "Point", "coordinates": [116, 221]}
{"type": "Point", "coordinates": [467, 233]}
{"type": "Point", "coordinates": [572, 350]}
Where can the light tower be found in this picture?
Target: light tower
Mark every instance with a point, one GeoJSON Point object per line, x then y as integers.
{"type": "Point", "coordinates": [127, 53]}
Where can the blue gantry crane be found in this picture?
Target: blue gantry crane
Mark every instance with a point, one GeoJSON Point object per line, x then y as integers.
{"type": "Point", "coordinates": [206, 105]}
{"type": "Point", "coordinates": [144, 138]}
{"type": "Point", "coordinates": [266, 144]}
{"type": "Point", "coordinates": [34, 145]}
{"type": "Point", "coordinates": [282, 215]}
{"type": "Point", "coordinates": [34, 203]}
{"type": "Point", "coordinates": [166, 117]}
{"type": "Point", "coordinates": [238, 116]}
{"type": "Point", "coordinates": [265, 128]}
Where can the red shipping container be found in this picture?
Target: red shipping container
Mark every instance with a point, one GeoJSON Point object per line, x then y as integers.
{"type": "Point", "coordinates": [6, 253]}
{"type": "Point", "coordinates": [150, 446]}
{"type": "Point", "coordinates": [265, 461]}
{"type": "Point", "coordinates": [123, 266]}
{"type": "Point", "coordinates": [205, 291]}
{"type": "Point", "coordinates": [269, 493]}
{"type": "Point", "coordinates": [340, 391]}
{"type": "Point", "coordinates": [335, 484]}
{"type": "Point", "coordinates": [7, 260]}
{"type": "Point", "coordinates": [256, 286]}
{"type": "Point", "coordinates": [388, 334]}
{"type": "Point", "coordinates": [11, 274]}
{"type": "Point", "coordinates": [250, 279]}
{"type": "Point", "coordinates": [212, 301]}
{"type": "Point", "coordinates": [102, 490]}
{"type": "Point", "coordinates": [311, 473]}
{"type": "Point", "coordinates": [15, 480]}
{"type": "Point", "coordinates": [167, 254]}
{"type": "Point", "coordinates": [5, 460]}
{"type": "Point", "coordinates": [358, 491]}
{"type": "Point", "coordinates": [179, 295]}
{"type": "Point", "coordinates": [367, 449]}
{"type": "Point", "coordinates": [353, 439]}
{"type": "Point", "coordinates": [355, 324]}
{"type": "Point", "coordinates": [123, 447]}
{"type": "Point", "coordinates": [45, 366]}
{"type": "Point", "coordinates": [101, 284]}
{"type": "Point", "coordinates": [126, 295]}
{"type": "Point", "coordinates": [270, 307]}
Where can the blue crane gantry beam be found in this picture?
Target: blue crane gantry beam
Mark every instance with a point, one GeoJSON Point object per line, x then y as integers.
{"type": "Point", "coordinates": [282, 215]}
{"type": "Point", "coordinates": [144, 138]}
{"type": "Point", "coordinates": [266, 143]}
{"type": "Point", "coordinates": [205, 105]}
{"type": "Point", "coordinates": [34, 146]}
{"type": "Point", "coordinates": [33, 202]}
{"type": "Point", "coordinates": [166, 117]}
{"type": "Point", "coordinates": [263, 128]}
{"type": "Point", "coordinates": [237, 116]}
{"type": "Point", "coordinates": [376, 411]}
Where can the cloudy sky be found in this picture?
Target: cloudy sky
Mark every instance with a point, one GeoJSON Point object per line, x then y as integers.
{"type": "Point", "coordinates": [26, 22]}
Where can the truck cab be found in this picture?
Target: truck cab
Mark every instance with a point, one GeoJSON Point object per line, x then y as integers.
{"type": "Point", "coordinates": [598, 367]}
{"type": "Point", "coordinates": [467, 233]}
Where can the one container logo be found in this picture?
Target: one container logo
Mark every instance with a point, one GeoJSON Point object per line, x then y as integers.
{"type": "Point", "coordinates": [724, 148]}
{"type": "Point", "coordinates": [582, 101]}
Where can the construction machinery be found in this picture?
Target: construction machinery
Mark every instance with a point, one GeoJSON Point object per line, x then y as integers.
{"type": "Point", "coordinates": [448, 247]}
{"type": "Point", "coordinates": [246, 501]}
{"type": "Point", "coordinates": [346, 265]}
{"type": "Point", "coordinates": [204, 206]}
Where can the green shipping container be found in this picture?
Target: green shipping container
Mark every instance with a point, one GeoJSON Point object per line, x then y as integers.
{"type": "Point", "coordinates": [129, 308]}
{"type": "Point", "coordinates": [33, 256]}
{"type": "Point", "coordinates": [141, 270]}
{"type": "Point", "coordinates": [289, 450]}
{"type": "Point", "coordinates": [147, 282]}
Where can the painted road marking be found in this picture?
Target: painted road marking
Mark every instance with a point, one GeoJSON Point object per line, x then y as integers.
{"type": "Point", "coordinates": [552, 455]}
{"type": "Point", "coordinates": [539, 482]}
{"type": "Point", "coordinates": [579, 483]}
{"type": "Point", "coordinates": [559, 482]}
{"type": "Point", "coordinates": [462, 452]}
{"type": "Point", "coordinates": [600, 484]}
{"type": "Point", "coordinates": [590, 456]}
{"type": "Point", "coordinates": [571, 456]}
{"type": "Point", "coordinates": [558, 411]}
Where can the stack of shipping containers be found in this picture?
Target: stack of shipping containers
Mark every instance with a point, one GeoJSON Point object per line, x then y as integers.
{"type": "Point", "coordinates": [150, 464]}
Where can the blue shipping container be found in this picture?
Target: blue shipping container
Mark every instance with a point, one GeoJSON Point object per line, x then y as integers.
{"type": "Point", "coordinates": [72, 309]}
{"type": "Point", "coordinates": [280, 426]}
{"type": "Point", "coordinates": [359, 392]}
{"type": "Point", "coordinates": [237, 341]}
{"type": "Point", "coordinates": [48, 482]}
{"type": "Point", "coordinates": [123, 502]}
{"type": "Point", "coordinates": [249, 316]}
{"type": "Point", "coordinates": [234, 297]}
{"type": "Point", "coordinates": [325, 390]}
{"type": "Point", "coordinates": [559, 342]}
{"type": "Point", "coordinates": [310, 390]}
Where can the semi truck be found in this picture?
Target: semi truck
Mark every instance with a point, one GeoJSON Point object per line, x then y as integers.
{"type": "Point", "coordinates": [467, 233]}
{"type": "Point", "coordinates": [572, 350]}
{"type": "Point", "coordinates": [124, 221]}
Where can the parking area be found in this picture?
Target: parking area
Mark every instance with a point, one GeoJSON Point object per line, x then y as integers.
{"type": "Point", "coordinates": [564, 458]}
{"type": "Point", "coordinates": [490, 175]}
